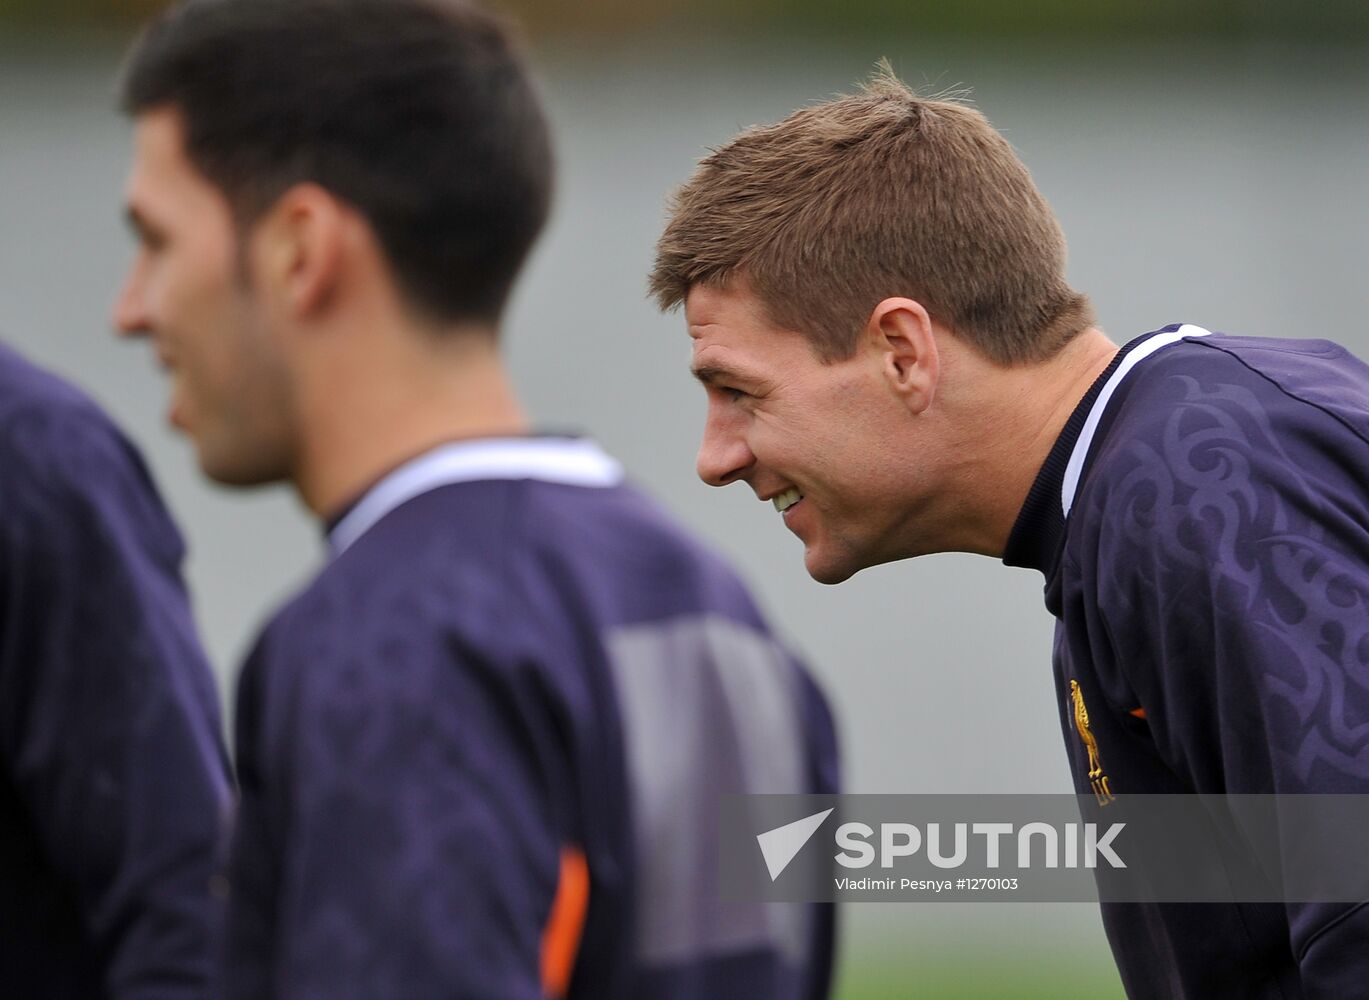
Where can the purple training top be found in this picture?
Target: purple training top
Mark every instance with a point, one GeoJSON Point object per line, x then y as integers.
{"type": "Point", "coordinates": [1203, 525]}
{"type": "Point", "coordinates": [514, 658]}
{"type": "Point", "coordinates": [114, 785]}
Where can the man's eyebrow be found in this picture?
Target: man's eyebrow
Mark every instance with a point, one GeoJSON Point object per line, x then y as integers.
{"type": "Point", "coordinates": [710, 372]}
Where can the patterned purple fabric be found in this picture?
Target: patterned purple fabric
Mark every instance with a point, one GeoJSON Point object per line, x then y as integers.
{"type": "Point", "coordinates": [424, 728]}
{"type": "Point", "coordinates": [1212, 591]}
{"type": "Point", "coordinates": [114, 784]}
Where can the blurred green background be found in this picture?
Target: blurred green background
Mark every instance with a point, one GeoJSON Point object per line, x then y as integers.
{"type": "Point", "coordinates": [1094, 19]}
{"type": "Point", "coordinates": [1209, 162]}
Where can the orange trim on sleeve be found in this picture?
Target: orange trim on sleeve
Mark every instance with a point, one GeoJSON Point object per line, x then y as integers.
{"type": "Point", "coordinates": [1139, 713]}
{"type": "Point", "coordinates": [565, 923]}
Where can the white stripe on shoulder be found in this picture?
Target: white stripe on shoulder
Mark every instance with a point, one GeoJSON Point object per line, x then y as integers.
{"type": "Point", "coordinates": [1139, 353]}
{"type": "Point", "coordinates": [567, 461]}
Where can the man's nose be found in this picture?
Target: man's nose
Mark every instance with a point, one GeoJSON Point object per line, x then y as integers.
{"type": "Point", "coordinates": [129, 316]}
{"type": "Point", "coordinates": [724, 455]}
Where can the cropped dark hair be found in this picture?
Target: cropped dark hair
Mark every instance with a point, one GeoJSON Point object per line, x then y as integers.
{"type": "Point", "coordinates": [418, 113]}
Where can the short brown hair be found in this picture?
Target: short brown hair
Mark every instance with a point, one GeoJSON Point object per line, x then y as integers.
{"type": "Point", "coordinates": [882, 193]}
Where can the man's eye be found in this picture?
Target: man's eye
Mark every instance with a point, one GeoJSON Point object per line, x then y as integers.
{"type": "Point", "coordinates": [733, 394]}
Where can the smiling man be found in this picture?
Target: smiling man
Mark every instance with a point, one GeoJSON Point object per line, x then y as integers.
{"type": "Point", "coordinates": [892, 357]}
{"type": "Point", "coordinates": [481, 754]}
{"type": "Point", "coordinates": [824, 438]}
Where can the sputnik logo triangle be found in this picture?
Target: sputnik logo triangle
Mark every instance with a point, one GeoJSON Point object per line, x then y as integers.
{"type": "Point", "coordinates": [780, 845]}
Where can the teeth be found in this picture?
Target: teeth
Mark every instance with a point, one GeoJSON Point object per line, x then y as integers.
{"type": "Point", "coordinates": [787, 499]}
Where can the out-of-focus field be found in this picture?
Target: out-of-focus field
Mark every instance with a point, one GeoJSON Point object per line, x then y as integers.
{"type": "Point", "coordinates": [992, 971]}
{"type": "Point", "coordinates": [975, 951]}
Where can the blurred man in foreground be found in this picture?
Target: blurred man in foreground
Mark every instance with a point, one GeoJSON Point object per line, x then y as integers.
{"type": "Point", "coordinates": [876, 295]}
{"type": "Point", "coordinates": [481, 753]}
{"type": "Point", "coordinates": [114, 784]}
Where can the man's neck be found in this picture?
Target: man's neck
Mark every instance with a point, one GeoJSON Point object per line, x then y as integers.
{"type": "Point", "coordinates": [1023, 411]}
{"type": "Point", "coordinates": [364, 415]}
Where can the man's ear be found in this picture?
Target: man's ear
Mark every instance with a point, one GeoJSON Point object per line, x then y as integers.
{"type": "Point", "coordinates": [299, 248]}
{"type": "Point", "coordinates": [901, 330]}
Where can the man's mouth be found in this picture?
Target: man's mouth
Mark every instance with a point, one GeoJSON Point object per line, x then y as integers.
{"type": "Point", "coordinates": [783, 501]}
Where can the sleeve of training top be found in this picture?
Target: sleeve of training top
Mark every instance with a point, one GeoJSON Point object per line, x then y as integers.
{"type": "Point", "coordinates": [1234, 586]}
{"type": "Point", "coordinates": [395, 836]}
{"type": "Point", "coordinates": [109, 726]}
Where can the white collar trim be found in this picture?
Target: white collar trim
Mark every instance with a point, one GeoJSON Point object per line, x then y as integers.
{"type": "Point", "coordinates": [568, 461]}
{"type": "Point", "coordinates": [1135, 356]}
